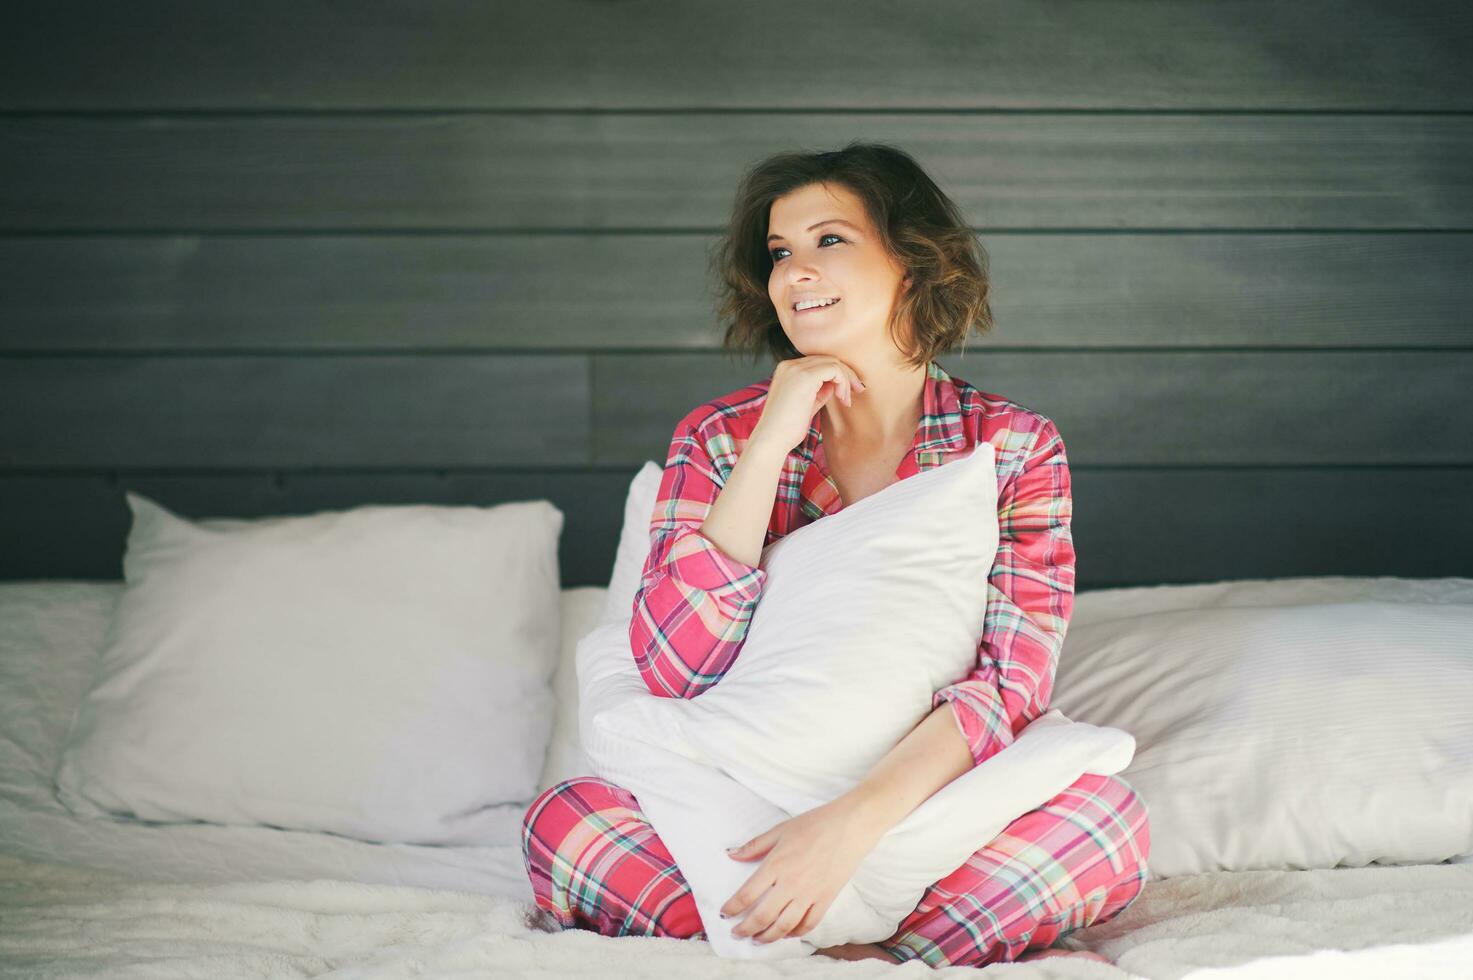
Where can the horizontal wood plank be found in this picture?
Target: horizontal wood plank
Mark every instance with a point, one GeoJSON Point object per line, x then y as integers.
{"type": "Point", "coordinates": [1130, 527]}
{"type": "Point", "coordinates": [613, 291]}
{"type": "Point", "coordinates": [304, 411]}
{"type": "Point", "coordinates": [1132, 408]}
{"type": "Point", "coordinates": [562, 54]}
{"type": "Point", "coordinates": [679, 171]}
{"type": "Point", "coordinates": [1143, 408]}
{"type": "Point", "coordinates": [76, 526]}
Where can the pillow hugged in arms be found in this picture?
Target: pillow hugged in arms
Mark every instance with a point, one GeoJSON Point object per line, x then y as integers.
{"type": "Point", "coordinates": [865, 614]}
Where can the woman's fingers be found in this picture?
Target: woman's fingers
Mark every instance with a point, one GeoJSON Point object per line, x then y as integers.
{"type": "Point", "coordinates": [762, 914]}
{"type": "Point", "coordinates": [785, 923]}
{"type": "Point", "coordinates": [844, 383]}
{"type": "Point", "coordinates": [835, 383]}
{"type": "Point", "coordinates": [827, 391]}
{"type": "Point", "coordinates": [810, 920]}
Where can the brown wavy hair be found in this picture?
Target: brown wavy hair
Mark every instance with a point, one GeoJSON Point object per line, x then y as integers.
{"type": "Point", "coordinates": [920, 227]}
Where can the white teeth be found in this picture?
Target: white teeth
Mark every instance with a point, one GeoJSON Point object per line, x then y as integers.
{"type": "Point", "coordinates": [809, 304]}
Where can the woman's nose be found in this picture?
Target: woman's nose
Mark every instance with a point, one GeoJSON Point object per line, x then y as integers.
{"type": "Point", "coordinates": [798, 272]}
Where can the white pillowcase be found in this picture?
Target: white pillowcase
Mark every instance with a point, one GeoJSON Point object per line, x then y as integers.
{"type": "Point", "coordinates": [1097, 605]}
{"type": "Point", "coordinates": [1283, 729]}
{"type": "Point", "coordinates": [634, 542]}
{"type": "Point", "coordinates": [382, 673]}
{"type": "Point", "coordinates": [582, 608]}
{"type": "Point", "coordinates": [864, 615]}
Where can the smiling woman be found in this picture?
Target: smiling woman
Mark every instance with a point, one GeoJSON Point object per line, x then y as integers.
{"type": "Point", "coordinates": [890, 222]}
{"type": "Point", "coordinates": [853, 270]}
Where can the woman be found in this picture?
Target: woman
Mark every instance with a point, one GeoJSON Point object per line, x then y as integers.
{"type": "Point", "coordinates": [853, 270]}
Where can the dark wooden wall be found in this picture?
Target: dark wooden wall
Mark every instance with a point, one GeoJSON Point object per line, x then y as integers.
{"type": "Point", "coordinates": [279, 257]}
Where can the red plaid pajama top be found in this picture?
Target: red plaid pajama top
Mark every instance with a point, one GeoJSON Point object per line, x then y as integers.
{"type": "Point", "coordinates": [695, 601]}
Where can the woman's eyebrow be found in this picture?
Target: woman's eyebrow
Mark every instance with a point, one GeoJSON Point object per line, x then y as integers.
{"type": "Point", "coordinates": [828, 221]}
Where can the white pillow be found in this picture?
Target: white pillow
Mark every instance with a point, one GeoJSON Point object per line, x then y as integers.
{"type": "Point", "coordinates": [586, 608]}
{"type": "Point", "coordinates": [1097, 605]}
{"type": "Point", "coordinates": [634, 542]}
{"type": "Point", "coordinates": [381, 673]}
{"type": "Point", "coordinates": [1287, 736]}
{"type": "Point", "coordinates": [864, 615]}
{"type": "Point", "coordinates": [582, 608]}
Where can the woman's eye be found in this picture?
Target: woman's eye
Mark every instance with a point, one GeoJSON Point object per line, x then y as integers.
{"type": "Point", "coordinates": [774, 252]}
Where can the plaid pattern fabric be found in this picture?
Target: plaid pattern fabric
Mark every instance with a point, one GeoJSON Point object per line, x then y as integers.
{"type": "Point", "coordinates": [595, 863]}
{"type": "Point", "coordinates": [691, 612]}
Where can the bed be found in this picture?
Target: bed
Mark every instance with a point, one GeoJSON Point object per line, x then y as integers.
{"type": "Point", "coordinates": [125, 897]}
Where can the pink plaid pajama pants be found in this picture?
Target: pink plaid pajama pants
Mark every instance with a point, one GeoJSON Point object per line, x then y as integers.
{"type": "Point", "coordinates": [595, 863]}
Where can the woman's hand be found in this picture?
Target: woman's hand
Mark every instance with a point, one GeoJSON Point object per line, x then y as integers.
{"type": "Point", "coordinates": [808, 859]}
{"type": "Point", "coordinates": [800, 387]}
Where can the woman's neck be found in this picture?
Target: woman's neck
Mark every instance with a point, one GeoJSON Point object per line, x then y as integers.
{"type": "Point", "coordinates": [888, 410]}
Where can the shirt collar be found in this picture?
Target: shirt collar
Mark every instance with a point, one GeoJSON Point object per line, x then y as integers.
{"type": "Point", "coordinates": [941, 431]}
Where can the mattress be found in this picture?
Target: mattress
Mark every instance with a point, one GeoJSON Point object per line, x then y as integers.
{"type": "Point", "coordinates": [119, 898]}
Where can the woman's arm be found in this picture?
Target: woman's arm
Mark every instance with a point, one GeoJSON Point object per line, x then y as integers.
{"type": "Point", "coordinates": [806, 859]}
{"type": "Point", "coordinates": [1030, 599]}
{"type": "Point", "coordinates": [701, 581]}
{"type": "Point", "coordinates": [930, 756]}
{"type": "Point", "coordinates": [1017, 655]}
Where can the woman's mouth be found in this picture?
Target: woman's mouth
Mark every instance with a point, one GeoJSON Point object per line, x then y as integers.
{"type": "Point", "coordinates": [817, 309]}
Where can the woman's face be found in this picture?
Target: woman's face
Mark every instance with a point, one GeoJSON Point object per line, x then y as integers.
{"type": "Point", "coordinates": [840, 259]}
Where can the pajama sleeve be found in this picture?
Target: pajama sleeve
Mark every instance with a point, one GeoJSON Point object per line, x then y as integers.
{"type": "Point", "coordinates": [694, 601]}
{"type": "Point", "coordinates": [1030, 596]}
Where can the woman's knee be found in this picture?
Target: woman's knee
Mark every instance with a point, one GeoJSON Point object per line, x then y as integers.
{"type": "Point", "coordinates": [560, 808]}
{"type": "Point", "coordinates": [1123, 826]}
{"type": "Point", "coordinates": [1129, 825]}
{"type": "Point", "coordinates": [1077, 860]}
{"type": "Point", "coordinates": [596, 863]}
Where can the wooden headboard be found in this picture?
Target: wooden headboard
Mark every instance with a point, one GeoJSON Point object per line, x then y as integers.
{"type": "Point", "coordinates": [283, 257]}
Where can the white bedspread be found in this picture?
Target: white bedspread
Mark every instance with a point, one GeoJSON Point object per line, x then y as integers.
{"type": "Point", "coordinates": [1413, 921]}
{"type": "Point", "coordinates": [219, 902]}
